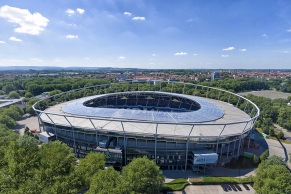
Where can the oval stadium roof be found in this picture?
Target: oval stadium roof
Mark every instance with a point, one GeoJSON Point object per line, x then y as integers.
{"type": "Point", "coordinates": [208, 111]}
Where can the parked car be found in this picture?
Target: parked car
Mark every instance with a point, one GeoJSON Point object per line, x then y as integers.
{"type": "Point", "coordinates": [224, 187]}
{"type": "Point", "coordinates": [246, 187]}
{"type": "Point", "coordinates": [233, 187]}
{"type": "Point", "coordinates": [238, 187]}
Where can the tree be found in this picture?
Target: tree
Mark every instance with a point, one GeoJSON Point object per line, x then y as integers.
{"type": "Point", "coordinates": [28, 95]}
{"type": "Point", "coordinates": [31, 102]}
{"type": "Point", "coordinates": [21, 157]}
{"type": "Point", "coordinates": [8, 121]}
{"type": "Point", "coordinates": [8, 88]}
{"type": "Point", "coordinates": [17, 108]}
{"type": "Point", "coordinates": [56, 171]}
{"type": "Point", "coordinates": [272, 176]}
{"type": "Point", "coordinates": [142, 176]}
{"type": "Point", "coordinates": [56, 159]}
{"type": "Point", "coordinates": [26, 131]}
{"type": "Point", "coordinates": [13, 95]}
{"type": "Point", "coordinates": [26, 168]}
{"type": "Point", "coordinates": [280, 135]}
{"type": "Point", "coordinates": [271, 132]}
{"type": "Point", "coordinates": [89, 166]}
{"type": "Point", "coordinates": [54, 92]}
{"type": "Point", "coordinates": [7, 136]}
{"type": "Point", "coordinates": [107, 181]}
{"type": "Point", "coordinates": [12, 113]}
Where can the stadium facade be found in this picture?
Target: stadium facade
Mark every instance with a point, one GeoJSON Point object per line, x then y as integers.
{"type": "Point", "coordinates": [168, 122]}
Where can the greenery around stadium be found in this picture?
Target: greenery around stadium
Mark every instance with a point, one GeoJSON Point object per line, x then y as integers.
{"type": "Point", "coordinates": [216, 180]}
{"type": "Point", "coordinates": [26, 167]}
{"type": "Point", "coordinates": [175, 185]}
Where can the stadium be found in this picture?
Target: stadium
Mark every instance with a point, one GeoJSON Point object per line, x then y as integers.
{"type": "Point", "coordinates": [178, 125]}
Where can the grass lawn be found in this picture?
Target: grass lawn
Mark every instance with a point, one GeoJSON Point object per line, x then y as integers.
{"type": "Point", "coordinates": [212, 180]}
{"type": "Point", "coordinates": [175, 185]}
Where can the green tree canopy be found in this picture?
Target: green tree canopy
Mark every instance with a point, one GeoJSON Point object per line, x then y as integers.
{"type": "Point", "coordinates": [89, 165]}
{"type": "Point", "coordinates": [272, 176]}
{"type": "Point", "coordinates": [142, 176]}
{"type": "Point", "coordinates": [7, 120]}
{"type": "Point", "coordinates": [54, 92]}
{"type": "Point", "coordinates": [107, 181]}
{"type": "Point", "coordinates": [17, 108]}
{"type": "Point", "coordinates": [14, 114]}
{"type": "Point", "coordinates": [8, 88]}
{"type": "Point", "coordinates": [28, 95]}
{"type": "Point", "coordinates": [21, 159]}
{"type": "Point", "coordinates": [13, 95]}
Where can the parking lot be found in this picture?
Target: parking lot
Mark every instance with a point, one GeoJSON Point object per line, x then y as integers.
{"type": "Point", "coordinates": [212, 189]}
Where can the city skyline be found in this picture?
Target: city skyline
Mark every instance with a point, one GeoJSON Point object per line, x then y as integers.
{"type": "Point", "coordinates": [146, 34]}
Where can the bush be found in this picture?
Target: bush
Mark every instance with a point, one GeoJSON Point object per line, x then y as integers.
{"type": "Point", "coordinates": [271, 132]}
{"type": "Point", "coordinates": [28, 95]}
{"type": "Point", "coordinates": [256, 160]}
{"type": "Point", "coordinates": [280, 135]}
{"type": "Point", "coordinates": [13, 95]}
{"type": "Point", "coordinates": [264, 155]}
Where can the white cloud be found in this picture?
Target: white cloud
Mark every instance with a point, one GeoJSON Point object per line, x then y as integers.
{"type": "Point", "coordinates": [224, 56]}
{"type": "Point", "coordinates": [243, 50]}
{"type": "Point", "coordinates": [2, 42]}
{"type": "Point", "coordinates": [57, 60]}
{"type": "Point", "coordinates": [180, 53]}
{"type": "Point", "coordinates": [80, 11]}
{"type": "Point", "coordinates": [139, 18]}
{"type": "Point", "coordinates": [127, 13]}
{"type": "Point", "coordinates": [12, 38]}
{"type": "Point", "coordinates": [70, 12]}
{"type": "Point", "coordinates": [121, 57]}
{"type": "Point", "coordinates": [86, 58]}
{"type": "Point", "coordinates": [36, 59]}
{"type": "Point", "coordinates": [74, 25]}
{"type": "Point", "coordinates": [264, 35]}
{"type": "Point", "coordinates": [72, 36]}
{"type": "Point", "coordinates": [153, 55]}
{"type": "Point", "coordinates": [27, 22]}
{"type": "Point", "coordinates": [289, 30]}
{"type": "Point", "coordinates": [231, 48]}
{"type": "Point", "coordinates": [195, 54]}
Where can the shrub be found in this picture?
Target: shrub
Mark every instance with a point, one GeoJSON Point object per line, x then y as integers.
{"type": "Point", "coordinates": [256, 160]}
{"type": "Point", "coordinates": [280, 135]}
{"type": "Point", "coordinates": [264, 155]}
{"type": "Point", "coordinates": [271, 132]}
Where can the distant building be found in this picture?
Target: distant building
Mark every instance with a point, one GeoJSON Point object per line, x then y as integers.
{"type": "Point", "coordinates": [215, 75]}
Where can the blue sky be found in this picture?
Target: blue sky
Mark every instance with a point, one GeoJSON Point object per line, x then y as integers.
{"type": "Point", "coordinates": [146, 33]}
